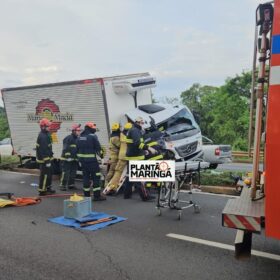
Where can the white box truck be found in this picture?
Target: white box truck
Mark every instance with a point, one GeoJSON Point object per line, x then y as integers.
{"type": "Point", "coordinates": [101, 100]}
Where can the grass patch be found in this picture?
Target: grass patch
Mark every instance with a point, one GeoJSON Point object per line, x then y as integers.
{"type": "Point", "coordinates": [245, 159]}
{"type": "Point", "coordinates": [218, 178]}
{"type": "Point", "coordinates": [9, 160]}
{"type": "Point", "coordinates": [242, 159]}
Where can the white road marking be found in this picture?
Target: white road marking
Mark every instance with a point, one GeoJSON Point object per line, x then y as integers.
{"type": "Point", "coordinates": [21, 173]}
{"type": "Point", "coordinates": [221, 245]}
{"type": "Point", "coordinates": [207, 193]}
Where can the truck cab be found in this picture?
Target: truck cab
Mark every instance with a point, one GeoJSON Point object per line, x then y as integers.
{"type": "Point", "coordinates": [182, 134]}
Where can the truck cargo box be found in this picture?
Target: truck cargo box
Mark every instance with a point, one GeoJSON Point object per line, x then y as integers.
{"type": "Point", "coordinates": [101, 100]}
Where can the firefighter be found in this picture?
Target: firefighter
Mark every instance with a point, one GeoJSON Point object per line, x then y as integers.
{"type": "Point", "coordinates": [69, 159]}
{"type": "Point", "coordinates": [114, 150]}
{"type": "Point", "coordinates": [44, 157]}
{"type": "Point", "coordinates": [88, 147]}
{"type": "Point", "coordinates": [155, 145]}
{"type": "Point", "coordinates": [122, 162]}
{"type": "Point", "coordinates": [136, 150]}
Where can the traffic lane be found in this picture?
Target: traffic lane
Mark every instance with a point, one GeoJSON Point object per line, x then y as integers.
{"type": "Point", "coordinates": [121, 252]}
{"type": "Point", "coordinates": [209, 218]}
{"type": "Point", "coordinates": [20, 185]}
{"type": "Point", "coordinates": [135, 249]}
{"type": "Point", "coordinates": [139, 213]}
{"type": "Point", "coordinates": [235, 167]}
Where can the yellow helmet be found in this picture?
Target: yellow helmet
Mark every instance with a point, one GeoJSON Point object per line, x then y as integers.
{"type": "Point", "coordinates": [248, 181]}
{"type": "Point", "coordinates": [115, 127]}
{"type": "Point", "coordinates": [128, 126]}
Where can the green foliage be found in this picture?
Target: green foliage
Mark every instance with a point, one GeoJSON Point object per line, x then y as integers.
{"type": "Point", "coordinates": [215, 178]}
{"type": "Point", "coordinates": [222, 112]}
{"type": "Point", "coordinates": [4, 128]}
{"type": "Point", "coordinates": [239, 85]}
{"type": "Point", "coordinates": [9, 161]}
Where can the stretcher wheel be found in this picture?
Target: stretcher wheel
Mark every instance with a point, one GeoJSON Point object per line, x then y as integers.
{"type": "Point", "coordinates": [179, 215]}
{"type": "Point", "coordinates": [158, 211]}
{"type": "Point", "coordinates": [196, 208]}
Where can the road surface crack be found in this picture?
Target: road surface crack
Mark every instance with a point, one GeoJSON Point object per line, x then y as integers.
{"type": "Point", "coordinates": [122, 274]}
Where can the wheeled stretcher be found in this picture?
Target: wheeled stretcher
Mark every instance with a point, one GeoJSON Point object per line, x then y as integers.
{"type": "Point", "coordinates": [169, 192]}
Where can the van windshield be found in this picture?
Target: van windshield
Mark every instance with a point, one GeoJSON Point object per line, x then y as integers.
{"type": "Point", "coordinates": [181, 122]}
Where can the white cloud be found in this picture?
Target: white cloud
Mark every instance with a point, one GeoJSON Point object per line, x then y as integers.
{"type": "Point", "coordinates": [31, 80]}
{"type": "Point", "coordinates": [41, 69]}
{"type": "Point", "coordinates": [180, 44]}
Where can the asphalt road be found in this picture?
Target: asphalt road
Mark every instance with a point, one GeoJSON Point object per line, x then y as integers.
{"type": "Point", "coordinates": [138, 248]}
{"type": "Point", "coordinates": [235, 167]}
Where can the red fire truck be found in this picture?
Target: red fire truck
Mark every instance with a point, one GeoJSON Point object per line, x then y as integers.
{"type": "Point", "coordinates": [258, 207]}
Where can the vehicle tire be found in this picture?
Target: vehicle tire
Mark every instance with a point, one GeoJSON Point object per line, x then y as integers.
{"type": "Point", "coordinates": [213, 165]}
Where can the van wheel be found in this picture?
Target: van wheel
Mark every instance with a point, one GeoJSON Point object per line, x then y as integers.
{"type": "Point", "coordinates": [213, 165]}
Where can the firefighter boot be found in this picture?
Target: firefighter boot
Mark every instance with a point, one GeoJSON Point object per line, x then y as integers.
{"type": "Point", "coordinates": [50, 190]}
{"type": "Point", "coordinates": [127, 193]}
{"type": "Point", "coordinates": [86, 193]}
{"type": "Point", "coordinates": [97, 196]}
{"type": "Point", "coordinates": [63, 188]}
{"type": "Point", "coordinates": [101, 197]}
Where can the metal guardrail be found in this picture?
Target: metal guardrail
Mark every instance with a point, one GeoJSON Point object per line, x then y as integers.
{"type": "Point", "coordinates": [244, 154]}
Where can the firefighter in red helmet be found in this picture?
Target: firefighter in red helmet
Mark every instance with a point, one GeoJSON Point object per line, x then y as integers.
{"type": "Point", "coordinates": [69, 159]}
{"type": "Point", "coordinates": [44, 157]}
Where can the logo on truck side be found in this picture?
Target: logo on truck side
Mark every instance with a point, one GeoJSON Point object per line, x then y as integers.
{"type": "Point", "coordinates": [47, 108]}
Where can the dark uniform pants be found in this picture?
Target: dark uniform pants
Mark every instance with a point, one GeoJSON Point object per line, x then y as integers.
{"type": "Point", "coordinates": [69, 172]}
{"type": "Point", "coordinates": [91, 172]}
{"type": "Point", "coordinates": [45, 180]}
{"type": "Point", "coordinates": [140, 187]}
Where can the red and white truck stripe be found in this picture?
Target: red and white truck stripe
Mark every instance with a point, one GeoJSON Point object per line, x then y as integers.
{"type": "Point", "coordinates": [242, 222]}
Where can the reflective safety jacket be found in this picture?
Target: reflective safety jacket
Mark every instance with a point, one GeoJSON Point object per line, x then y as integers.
{"type": "Point", "coordinates": [114, 145]}
{"type": "Point", "coordinates": [69, 152]}
{"type": "Point", "coordinates": [88, 147]}
{"type": "Point", "coordinates": [123, 147]}
{"type": "Point", "coordinates": [44, 151]}
{"type": "Point", "coordinates": [135, 144]}
{"type": "Point", "coordinates": [150, 141]}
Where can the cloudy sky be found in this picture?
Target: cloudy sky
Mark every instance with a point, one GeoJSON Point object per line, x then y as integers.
{"type": "Point", "coordinates": [178, 41]}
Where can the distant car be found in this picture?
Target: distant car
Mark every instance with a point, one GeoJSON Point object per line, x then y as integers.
{"type": "Point", "coordinates": [6, 148]}
{"type": "Point", "coordinates": [215, 154]}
